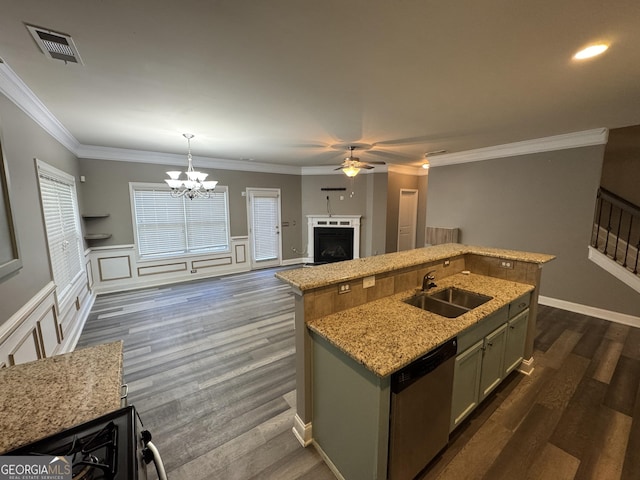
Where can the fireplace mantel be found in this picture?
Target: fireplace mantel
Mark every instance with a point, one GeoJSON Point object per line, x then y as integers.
{"type": "Point", "coordinates": [337, 221]}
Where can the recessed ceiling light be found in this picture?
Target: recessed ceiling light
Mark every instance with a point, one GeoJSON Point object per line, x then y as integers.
{"type": "Point", "coordinates": [591, 51]}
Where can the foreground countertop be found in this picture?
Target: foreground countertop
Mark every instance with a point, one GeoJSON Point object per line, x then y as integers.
{"type": "Point", "coordinates": [322, 275]}
{"type": "Point", "coordinates": [387, 334]}
{"type": "Point", "coordinates": [47, 396]}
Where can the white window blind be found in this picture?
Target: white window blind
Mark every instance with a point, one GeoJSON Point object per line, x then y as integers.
{"type": "Point", "coordinates": [174, 226]}
{"type": "Point", "coordinates": [265, 220]}
{"type": "Point", "coordinates": [60, 209]}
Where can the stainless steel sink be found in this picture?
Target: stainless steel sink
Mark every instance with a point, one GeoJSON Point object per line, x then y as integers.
{"type": "Point", "coordinates": [436, 305]}
{"type": "Point", "coordinates": [462, 298]}
{"type": "Point", "coordinates": [450, 302]}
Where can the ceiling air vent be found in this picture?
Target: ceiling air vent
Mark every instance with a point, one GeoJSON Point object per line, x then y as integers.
{"type": "Point", "coordinates": [55, 45]}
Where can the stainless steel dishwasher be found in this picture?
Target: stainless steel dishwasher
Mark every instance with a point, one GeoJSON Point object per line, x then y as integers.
{"type": "Point", "coordinates": [420, 411]}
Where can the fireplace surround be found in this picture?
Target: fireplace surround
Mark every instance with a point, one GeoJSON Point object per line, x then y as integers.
{"type": "Point", "coordinates": [327, 238]}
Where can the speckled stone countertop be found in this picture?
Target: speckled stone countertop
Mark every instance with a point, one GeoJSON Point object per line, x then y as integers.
{"type": "Point", "coordinates": [322, 275]}
{"type": "Point", "coordinates": [47, 396]}
{"type": "Point", "coordinates": [387, 334]}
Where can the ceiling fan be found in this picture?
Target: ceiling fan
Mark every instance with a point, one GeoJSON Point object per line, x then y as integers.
{"type": "Point", "coordinates": [352, 165]}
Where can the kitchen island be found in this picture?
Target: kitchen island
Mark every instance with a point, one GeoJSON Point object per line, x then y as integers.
{"type": "Point", "coordinates": [352, 325]}
{"type": "Point", "coordinates": [46, 396]}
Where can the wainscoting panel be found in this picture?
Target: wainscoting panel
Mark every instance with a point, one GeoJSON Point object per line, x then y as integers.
{"type": "Point", "coordinates": [164, 268]}
{"type": "Point", "coordinates": [27, 349]}
{"type": "Point", "coordinates": [241, 253]}
{"type": "Point", "coordinates": [120, 269]}
{"type": "Point", "coordinates": [114, 268]}
{"type": "Point", "coordinates": [212, 262]}
{"type": "Point", "coordinates": [20, 337]}
{"type": "Point", "coordinates": [49, 333]}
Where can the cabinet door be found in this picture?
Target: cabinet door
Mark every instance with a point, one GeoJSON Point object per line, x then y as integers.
{"type": "Point", "coordinates": [492, 361]}
{"type": "Point", "coordinates": [466, 383]}
{"type": "Point", "coordinates": [516, 335]}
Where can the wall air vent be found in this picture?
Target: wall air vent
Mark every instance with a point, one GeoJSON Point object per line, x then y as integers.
{"type": "Point", "coordinates": [57, 46]}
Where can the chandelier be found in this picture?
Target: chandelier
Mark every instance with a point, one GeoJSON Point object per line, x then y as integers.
{"type": "Point", "coordinates": [195, 184]}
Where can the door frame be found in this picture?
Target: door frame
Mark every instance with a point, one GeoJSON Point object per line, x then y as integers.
{"type": "Point", "coordinates": [250, 192]}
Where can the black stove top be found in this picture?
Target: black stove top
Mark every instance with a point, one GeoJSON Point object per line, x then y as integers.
{"type": "Point", "coordinates": [101, 449]}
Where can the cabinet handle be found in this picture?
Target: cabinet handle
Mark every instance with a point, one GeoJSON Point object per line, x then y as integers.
{"type": "Point", "coordinates": [490, 344]}
{"type": "Point", "coordinates": [523, 304]}
{"type": "Point", "coordinates": [512, 327]}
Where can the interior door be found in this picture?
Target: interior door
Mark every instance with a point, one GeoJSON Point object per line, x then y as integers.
{"type": "Point", "coordinates": [407, 219]}
{"type": "Point", "coordinates": [263, 205]}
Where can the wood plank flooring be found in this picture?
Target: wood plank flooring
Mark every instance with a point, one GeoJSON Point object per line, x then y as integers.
{"type": "Point", "coordinates": [210, 369]}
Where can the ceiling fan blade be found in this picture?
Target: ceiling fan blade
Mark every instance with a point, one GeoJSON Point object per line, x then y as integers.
{"type": "Point", "coordinates": [371, 162]}
{"type": "Point", "coordinates": [365, 166]}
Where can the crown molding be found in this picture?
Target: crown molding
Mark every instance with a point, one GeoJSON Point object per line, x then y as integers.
{"type": "Point", "coordinates": [94, 152]}
{"type": "Point", "coordinates": [583, 138]}
{"type": "Point", "coordinates": [19, 93]}
{"type": "Point", "coordinates": [408, 170]}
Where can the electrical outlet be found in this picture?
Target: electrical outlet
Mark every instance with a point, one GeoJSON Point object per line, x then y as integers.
{"type": "Point", "coordinates": [447, 263]}
{"type": "Point", "coordinates": [506, 263]}
{"type": "Point", "coordinates": [368, 282]}
{"type": "Point", "coordinates": [344, 288]}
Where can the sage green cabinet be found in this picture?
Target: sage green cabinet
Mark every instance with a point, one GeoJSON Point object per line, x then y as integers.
{"type": "Point", "coordinates": [492, 361]}
{"type": "Point", "coordinates": [466, 383]}
{"type": "Point", "coordinates": [489, 351]}
{"type": "Point", "coordinates": [516, 336]}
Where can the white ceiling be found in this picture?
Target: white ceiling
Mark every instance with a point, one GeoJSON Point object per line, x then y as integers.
{"type": "Point", "coordinates": [293, 82]}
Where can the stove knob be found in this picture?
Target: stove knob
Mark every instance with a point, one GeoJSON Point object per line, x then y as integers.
{"type": "Point", "coordinates": [146, 436]}
{"type": "Point", "coordinates": [147, 455]}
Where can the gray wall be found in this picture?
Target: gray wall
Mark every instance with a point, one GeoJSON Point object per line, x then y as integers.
{"type": "Point", "coordinates": [22, 141]}
{"type": "Point", "coordinates": [621, 166]}
{"type": "Point", "coordinates": [368, 200]}
{"type": "Point", "coordinates": [107, 190]}
{"type": "Point", "coordinates": [398, 181]}
{"type": "Point", "coordinates": [540, 202]}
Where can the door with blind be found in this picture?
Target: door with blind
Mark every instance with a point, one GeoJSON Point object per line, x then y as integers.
{"type": "Point", "coordinates": [263, 207]}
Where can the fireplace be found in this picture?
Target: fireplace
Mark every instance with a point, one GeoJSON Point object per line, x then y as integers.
{"type": "Point", "coordinates": [332, 244]}
{"type": "Point", "coordinates": [332, 238]}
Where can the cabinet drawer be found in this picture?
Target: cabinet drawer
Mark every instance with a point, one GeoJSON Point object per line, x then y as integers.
{"type": "Point", "coordinates": [519, 304]}
{"type": "Point", "coordinates": [481, 329]}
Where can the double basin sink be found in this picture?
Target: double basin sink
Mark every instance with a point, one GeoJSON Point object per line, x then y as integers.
{"type": "Point", "coordinates": [450, 302]}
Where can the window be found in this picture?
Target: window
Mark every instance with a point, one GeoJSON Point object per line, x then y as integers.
{"type": "Point", "coordinates": [60, 209]}
{"type": "Point", "coordinates": [167, 226]}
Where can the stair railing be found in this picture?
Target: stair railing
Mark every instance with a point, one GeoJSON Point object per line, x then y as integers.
{"type": "Point", "coordinates": [622, 220]}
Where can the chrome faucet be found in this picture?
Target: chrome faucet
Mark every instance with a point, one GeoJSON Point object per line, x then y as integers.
{"type": "Point", "coordinates": [427, 282]}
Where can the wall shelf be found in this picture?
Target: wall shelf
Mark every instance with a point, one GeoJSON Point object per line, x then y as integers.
{"type": "Point", "coordinates": [97, 236]}
{"type": "Point", "coordinates": [95, 215]}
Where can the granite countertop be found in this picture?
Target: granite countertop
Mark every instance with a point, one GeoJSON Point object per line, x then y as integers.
{"type": "Point", "coordinates": [323, 275]}
{"type": "Point", "coordinates": [387, 334]}
{"type": "Point", "coordinates": [47, 396]}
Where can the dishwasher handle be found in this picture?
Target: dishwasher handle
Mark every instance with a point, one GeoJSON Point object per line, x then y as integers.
{"type": "Point", "coordinates": [423, 366]}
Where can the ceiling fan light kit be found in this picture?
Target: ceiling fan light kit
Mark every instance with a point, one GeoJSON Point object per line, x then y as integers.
{"type": "Point", "coordinates": [195, 185]}
{"type": "Point", "coordinates": [352, 165]}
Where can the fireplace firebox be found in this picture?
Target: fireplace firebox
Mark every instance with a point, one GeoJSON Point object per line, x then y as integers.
{"type": "Point", "coordinates": [332, 244]}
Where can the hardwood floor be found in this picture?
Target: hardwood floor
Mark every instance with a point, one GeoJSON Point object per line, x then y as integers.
{"type": "Point", "coordinates": [210, 369]}
{"type": "Point", "coordinates": [576, 417]}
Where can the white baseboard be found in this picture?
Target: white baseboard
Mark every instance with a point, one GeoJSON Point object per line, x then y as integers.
{"type": "Point", "coordinates": [292, 261]}
{"type": "Point", "coordinates": [302, 431]}
{"type": "Point", "coordinates": [616, 317]}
